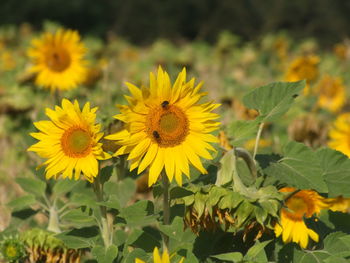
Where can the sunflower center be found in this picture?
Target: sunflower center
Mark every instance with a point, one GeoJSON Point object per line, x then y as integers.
{"type": "Point", "coordinates": [11, 251]}
{"type": "Point", "coordinates": [58, 59]}
{"type": "Point", "coordinates": [167, 125]}
{"type": "Point", "coordinates": [297, 207]}
{"type": "Point", "coordinates": [76, 142]}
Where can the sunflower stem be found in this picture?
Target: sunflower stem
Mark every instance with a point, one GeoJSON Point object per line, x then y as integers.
{"type": "Point", "coordinates": [261, 126]}
{"type": "Point", "coordinates": [53, 220]}
{"type": "Point", "coordinates": [166, 207]}
{"type": "Point", "coordinates": [98, 188]}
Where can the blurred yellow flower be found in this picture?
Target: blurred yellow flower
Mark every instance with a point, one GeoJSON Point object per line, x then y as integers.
{"type": "Point", "coordinates": [157, 258]}
{"type": "Point", "coordinates": [339, 204]}
{"type": "Point", "coordinates": [341, 50]}
{"type": "Point", "coordinates": [331, 93]}
{"type": "Point", "coordinates": [58, 60]}
{"type": "Point", "coordinates": [69, 141]}
{"type": "Point", "coordinates": [340, 134]}
{"type": "Point", "coordinates": [304, 67]}
{"type": "Point", "coordinates": [7, 61]}
{"type": "Point", "coordinates": [166, 127]}
{"type": "Point", "coordinates": [292, 227]}
{"type": "Point", "coordinates": [263, 143]}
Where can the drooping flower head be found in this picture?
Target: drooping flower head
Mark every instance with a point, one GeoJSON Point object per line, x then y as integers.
{"type": "Point", "coordinates": [340, 134]}
{"type": "Point", "coordinates": [166, 127]}
{"type": "Point", "coordinates": [157, 258]}
{"type": "Point", "coordinates": [304, 67]}
{"type": "Point", "coordinates": [331, 93]}
{"type": "Point", "coordinates": [69, 141]}
{"type": "Point", "coordinates": [292, 227]}
{"type": "Point", "coordinates": [58, 60]}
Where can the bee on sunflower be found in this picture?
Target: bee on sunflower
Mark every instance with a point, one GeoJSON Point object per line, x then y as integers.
{"type": "Point", "coordinates": [166, 127]}
{"type": "Point", "coordinates": [58, 60]}
{"type": "Point", "coordinates": [70, 141]}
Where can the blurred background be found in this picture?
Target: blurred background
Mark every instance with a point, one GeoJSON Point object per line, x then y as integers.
{"type": "Point", "coordinates": [233, 46]}
{"type": "Point", "coordinates": [143, 21]}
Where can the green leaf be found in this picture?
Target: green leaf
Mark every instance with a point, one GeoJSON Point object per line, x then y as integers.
{"type": "Point", "coordinates": [124, 190]}
{"type": "Point", "coordinates": [231, 200]}
{"type": "Point", "coordinates": [225, 173]}
{"type": "Point", "coordinates": [257, 252]}
{"type": "Point", "coordinates": [299, 167]}
{"type": "Point", "coordinates": [75, 242]}
{"type": "Point", "coordinates": [105, 255]}
{"type": "Point", "coordinates": [22, 202]}
{"type": "Point", "coordinates": [241, 131]}
{"type": "Point", "coordinates": [139, 214]}
{"type": "Point", "coordinates": [106, 173]}
{"type": "Point", "coordinates": [215, 194]}
{"type": "Point", "coordinates": [79, 218]}
{"type": "Point", "coordinates": [31, 185]}
{"type": "Point", "coordinates": [229, 257]}
{"type": "Point", "coordinates": [64, 186]}
{"type": "Point", "coordinates": [113, 202]}
{"type": "Point", "coordinates": [273, 100]}
{"type": "Point", "coordinates": [338, 244]}
{"type": "Point", "coordinates": [199, 202]}
{"type": "Point", "coordinates": [179, 192]}
{"type": "Point", "coordinates": [335, 171]}
{"type": "Point", "coordinates": [310, 256]}
{"type": "Point", "coordinates": [136, 253]}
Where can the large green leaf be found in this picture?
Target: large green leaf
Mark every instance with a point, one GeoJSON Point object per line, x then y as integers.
{"type": "Point", "coordinates": [299, 167]}
{"type": "Point", "coordinates": [229, 257]}
{"type": "Point", "coordinates": [22, 202]}
{"type": "Point", "coordinates": [31, 185]}
{"type": "Point", "coordinates": [241, 131]}
{"type": "Point", "coordinates": [273, 100]}
{"type": "Point", "coordinates": [335, 171]}
{"type": "Point", "coordinates": [63, 186]}
{"type": "Point", "coordinates": [105, 255]}
{"type": "Point", "coordinates": [124, 190]}
{"type": "Point", "coordinates": [79, 218]}
{"type": "Point", "coordinates": [139, 214]}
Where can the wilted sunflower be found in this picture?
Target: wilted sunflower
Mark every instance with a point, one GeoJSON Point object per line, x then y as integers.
{"type": "Point", "coordinates": [331, 93]}
{"type": "Point", "coordinates": [339, 204]}
{"type": "Point", "coordinates": [69, 141]}
{"type": "Point", "coordinates": [304, 67]}
{"type": "Point", "coordinates": [157, 258]}
{"type": "Point", "coordinates": [292, 227]}
{"type": "Point", "coordinates": [166, 127]}
{"type": "Point", "coordinates": [340, 134]}
{"type": "Point", "coordinates": [58, 60]}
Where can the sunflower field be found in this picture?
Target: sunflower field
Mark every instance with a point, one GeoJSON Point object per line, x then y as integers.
{"type": "Point", "coordinates": [236, 151]}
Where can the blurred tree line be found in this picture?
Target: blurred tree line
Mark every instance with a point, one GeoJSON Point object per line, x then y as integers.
{"type": "Point", "coordinates": [141, 21]}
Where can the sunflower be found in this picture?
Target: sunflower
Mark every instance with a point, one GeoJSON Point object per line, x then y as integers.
{"type": "Point", "coordinates": [58, 60]}
{"type": "Point", "coordinates": [340, 134]}
{"type": "Point", "coordinates": [157, 258]}
{"type": "Point", "coordinates": [166, 127]}
{"type": "Point", "coordinates": [304, 67]}
{"type": "Point", "coordinates": [292, 227]}
{"type": "Point", "coordinates": [339, 204]}
{"type": "Point", "coordinates": [331, 93]}
{"type": "Point", "coordinates": [69, 141]}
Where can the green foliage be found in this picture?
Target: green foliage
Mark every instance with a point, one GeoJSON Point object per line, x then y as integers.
{"type": "Point", "coordinates": [273, 100]}
{"type": "Point", "coordinates": [299, 167]}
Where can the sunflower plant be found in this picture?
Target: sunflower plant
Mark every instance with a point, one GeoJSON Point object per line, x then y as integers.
{"type": "Point", "coordinates": [166, 181]}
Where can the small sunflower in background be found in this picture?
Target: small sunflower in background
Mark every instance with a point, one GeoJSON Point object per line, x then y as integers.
{"type": "Point", "coordinates": [12, 249]}
{"type": "Point", "coordinates": [304, 67]}
{"type": "Point", "coordinates": [70, 141]}
{"type": "Point", "coordinates": [58, 60]}
{"type": "Point", "coordinates": [339, 134]}
{"type": "Point", "coordinates": [331, 93]}
{"type": "Point", "coordinates": [292, 227]}
{"type": "Point", "coordinates": [157, 258]}
{"type": "Point", "coordinates": [166, 127]}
